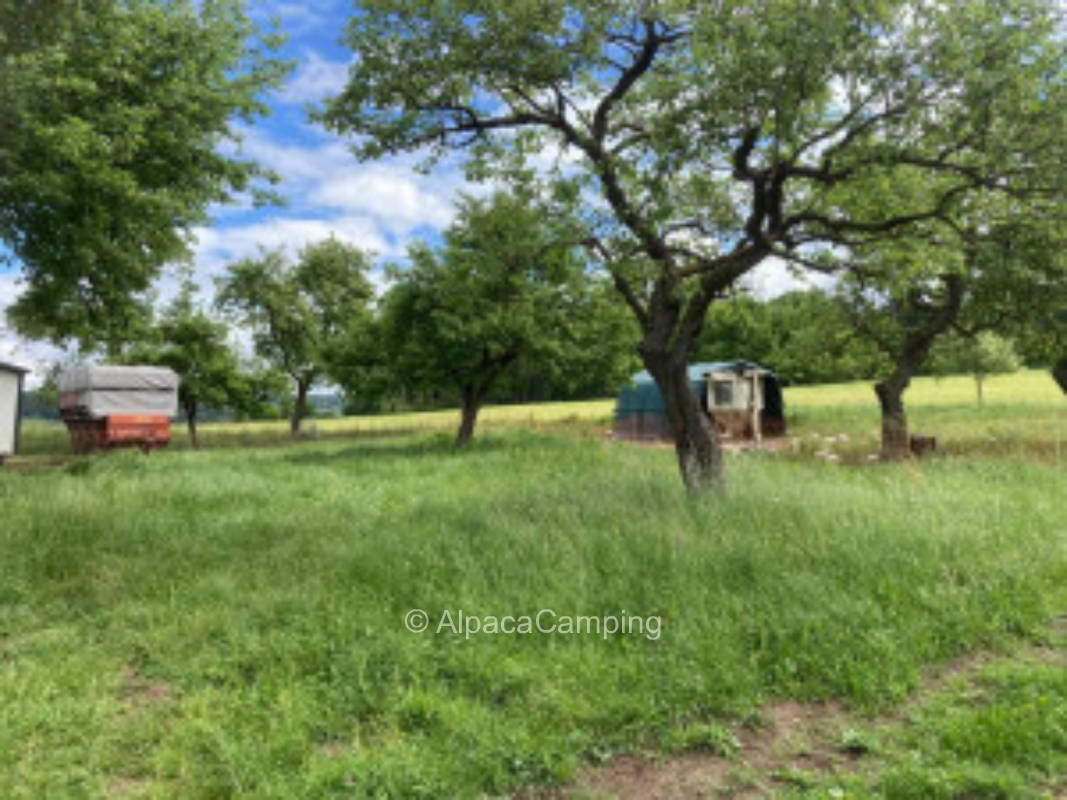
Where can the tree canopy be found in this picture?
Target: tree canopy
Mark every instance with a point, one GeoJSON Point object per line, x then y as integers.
{"type": "Point", "coordinates": [707, 137]}
{"type": "Point", "coordinates": [505, 286]}
{"type": "Point", "coordinates": [301, 315]}
{"type": "Point", "coordinates": [194, 344]}
{"type": "Point", "coordinates": [114, 121]}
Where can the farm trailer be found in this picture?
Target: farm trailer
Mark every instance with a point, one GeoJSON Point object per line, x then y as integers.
{"type": "Point", "coordinates": [106, 406]}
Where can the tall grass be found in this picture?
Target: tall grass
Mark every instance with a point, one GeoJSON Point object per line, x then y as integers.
{"type": "Point", "coordinates": [231, 624]}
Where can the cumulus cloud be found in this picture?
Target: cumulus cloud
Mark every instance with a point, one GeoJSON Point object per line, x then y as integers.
{"type": "Point", "coordinates": [216, 247]}
{"type": "Point", "coordinates": [326, 176]}
{"type": "Point", "coordinates": [35, 356]}
{"type": "Point", "coordinates": [315, 79]}
{"type": "Point", "coordinates": [774, 277]}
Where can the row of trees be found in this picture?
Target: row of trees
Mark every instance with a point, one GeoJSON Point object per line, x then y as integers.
{"type": "Point", "coordinates": [508, 297]}
{"type": "Point", "coordinates": [906, 146]}
{"type": "Point", "coordinates": [503, 300]}
{"type": "Point", "coordinates": [912, 149]}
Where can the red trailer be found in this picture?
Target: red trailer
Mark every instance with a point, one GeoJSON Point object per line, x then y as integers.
{"type": "Point", "coordinates": [108, 406]}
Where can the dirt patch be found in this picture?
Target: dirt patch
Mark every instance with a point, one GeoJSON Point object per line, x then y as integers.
{"type": "Point", "coordinates": [124, 787]}
{"type": "Point", "coordinates": [139, 693]}
{"type": "Point", "coordinates": [788, 742]}
{"type": "Point", "coordinates": [787, 739]}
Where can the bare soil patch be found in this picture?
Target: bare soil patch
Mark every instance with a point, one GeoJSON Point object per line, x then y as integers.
{"type": "Point", "coordinates": [789, 740]}
{"type": "Point", "coordinates": [787, 737]}
{"type": "Point", "coordinates": [139, 693]}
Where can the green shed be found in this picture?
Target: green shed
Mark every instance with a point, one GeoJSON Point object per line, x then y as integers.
{"type": "Point", "coordinates": [743, 400]}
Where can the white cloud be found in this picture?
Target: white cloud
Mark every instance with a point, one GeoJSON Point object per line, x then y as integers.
{"type": "Point", "coordinates": [35, 356]}
{"type": "Point", "coordinates": [388, 194]}
{"type": "Point", "coordinates": [214, 248]}
{"type": "Point", "coordinates": [216, 245]}
{"type": "Point", "coordinates": [774, 277]}
{"type": "Point", "coordinates": [315, 79]}
{"type": "Point", "coordinates": [327, 177]}
{"type": "Point", "coordinates": [299, 19]}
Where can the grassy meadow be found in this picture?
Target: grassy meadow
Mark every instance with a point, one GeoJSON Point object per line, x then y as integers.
{"type": "Point", "coordinates": [1023, 415]}
{"type": "Point", "coordinates": [231, 623]}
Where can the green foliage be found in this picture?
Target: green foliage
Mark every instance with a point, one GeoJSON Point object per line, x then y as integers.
{"type": "Point", "coordinates": [804, 336]}
{"type": "Point", "coordinates": [111, 117]}
{"type": "Point", "coordinates": [711, 136]}
{"type": "Point", "coordinates": [507, 289]}
{"type": "Point", "coordinates": [302, 316]}
{"type": "Point", "coordinates": [598, 357]}
{"type": "Point", "coordinates": [702, 139]}
{"type": "Point", "coordinates": [984, 354]}
{"type": "Point", "coordinates": [194, 344]}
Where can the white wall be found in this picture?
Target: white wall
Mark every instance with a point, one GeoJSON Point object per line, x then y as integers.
{"type": "Point", "coordinates": [9, 409]}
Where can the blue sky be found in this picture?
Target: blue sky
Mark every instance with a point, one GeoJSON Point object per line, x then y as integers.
{"type": "Point", "coordinates": [381, 206]}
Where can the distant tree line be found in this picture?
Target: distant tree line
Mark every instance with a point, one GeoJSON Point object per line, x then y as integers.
{"type": "Point", "coordinates": [695, 143]}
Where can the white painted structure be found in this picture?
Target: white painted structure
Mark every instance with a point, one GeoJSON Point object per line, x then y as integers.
{"type": "Point", "coordinates": [737, 393]}
{"type": "Point", "coordinates": [10, 408]}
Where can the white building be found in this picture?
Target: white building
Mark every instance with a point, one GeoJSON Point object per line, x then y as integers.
{"type": "Point", "coordinates": [10, 408]}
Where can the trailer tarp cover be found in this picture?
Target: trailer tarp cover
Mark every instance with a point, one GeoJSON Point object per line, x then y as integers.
{"type": "Point", "coordinates": [105, 389]}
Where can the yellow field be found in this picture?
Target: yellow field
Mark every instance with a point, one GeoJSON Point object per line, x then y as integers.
{"type": "Point", "coordinates": [1027, 386]}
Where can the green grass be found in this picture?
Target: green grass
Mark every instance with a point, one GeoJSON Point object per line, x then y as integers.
{"type": "Point", "coordinates": [1024, 415]}
{"type": "Point", "coordinates": [996, 730]}
{"type": "Point", "coordinates": [230, 623]}
{"type": "Point", "coordinates": [50, 438]}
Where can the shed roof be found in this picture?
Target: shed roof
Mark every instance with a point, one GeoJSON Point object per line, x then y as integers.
{"type": "Point", "coordinates": [8, 367]}
{"type": "Point", "coordinates": [701, 368]}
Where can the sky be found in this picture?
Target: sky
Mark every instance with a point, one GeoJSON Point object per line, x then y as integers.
{"type": "Point", "coordinates": [381, 207]}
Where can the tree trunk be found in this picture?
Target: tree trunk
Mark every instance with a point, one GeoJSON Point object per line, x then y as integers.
{"type": "Point", "coordinates": [895, 444]}
{"type": "Point", "coordinates": [695, 442]}
{"type": "Point", "coordinates": [190, 419]}
{"type": "Point", "coordinates": [472, 403]}
{"type": "Point", "coordinates": [978, 378]}
{"type": "Point", "coordinates": [300, 408]}
{"type": "Point", "coordinates": [1059, 372]}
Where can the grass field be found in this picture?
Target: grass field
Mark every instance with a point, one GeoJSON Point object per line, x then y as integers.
{"type": "Point", "coordinates": [1024, 414]}
{"type": "Point", "coordinates": [231, 623]}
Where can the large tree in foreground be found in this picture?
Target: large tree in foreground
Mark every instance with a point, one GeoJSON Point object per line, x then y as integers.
{"type": "Point", "coordinates": [114, 116]}
{"type": "Point", "coordinates": [707, 136]}
{"type": "Point", "coordinates": [301, 315]}
{"type": "Point", "coordinates": [505, 286]}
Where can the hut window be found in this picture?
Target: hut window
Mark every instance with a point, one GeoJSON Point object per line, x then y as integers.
{"type": "Point", "coordinates": [722, 393]}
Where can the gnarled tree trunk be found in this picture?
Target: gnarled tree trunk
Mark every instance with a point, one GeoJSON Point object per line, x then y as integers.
{"type": "Point", "coordinates": [696, 443]}
{"type": "Point", "coordinates": [895, 443]}
{"type": "Point", "coordinates": [475, 386]}
{"type": "Point", "coordinates": [670, 329]}
{"type": "Point", "coordinates": [935, 320]}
